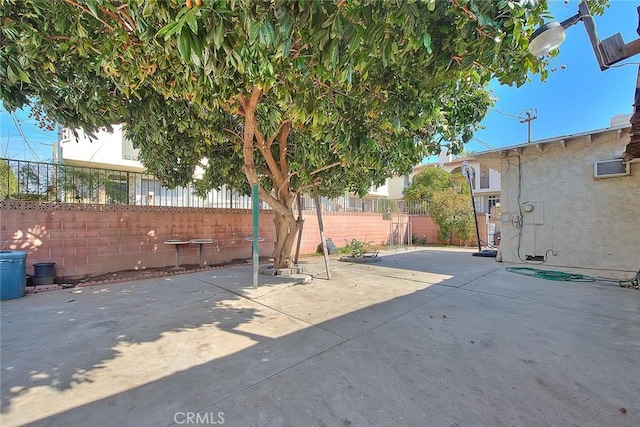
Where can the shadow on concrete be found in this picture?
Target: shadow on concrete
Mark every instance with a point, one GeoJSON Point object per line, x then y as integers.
{"type": "Point", "coordinates": [124, 355]}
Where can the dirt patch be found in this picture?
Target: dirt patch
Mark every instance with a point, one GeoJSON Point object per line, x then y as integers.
{"type": "Point", "coordinates": [148, 273]}
{"type": "Point", "coordinates": [127, 275]}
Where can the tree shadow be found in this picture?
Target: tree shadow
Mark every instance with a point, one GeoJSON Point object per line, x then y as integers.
{"type": "Point", "coordinates": [148, 353]}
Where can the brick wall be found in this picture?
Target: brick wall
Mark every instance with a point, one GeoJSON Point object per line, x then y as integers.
{"type": "Point", "coordinates": [97, 240]}
{"type": "Point", "coordinates": [85, 240]}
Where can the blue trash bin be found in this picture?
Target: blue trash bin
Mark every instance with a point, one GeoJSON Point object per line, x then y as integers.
{"type": "Point", "coordinates": [13, 274]}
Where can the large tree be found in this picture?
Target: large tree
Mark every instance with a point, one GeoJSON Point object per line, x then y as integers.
{"type": "Point", "coordinates": [290, 95]}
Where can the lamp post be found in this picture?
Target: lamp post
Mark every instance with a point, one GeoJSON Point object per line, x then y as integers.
{"type": "Point", "coordinates": [608, 52]}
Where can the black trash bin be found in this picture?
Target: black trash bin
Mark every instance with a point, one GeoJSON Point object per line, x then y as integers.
{"type": "Point", "coordinates": [43, 273]}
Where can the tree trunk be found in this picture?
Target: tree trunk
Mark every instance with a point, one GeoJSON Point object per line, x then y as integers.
{"type": "Point", "coordinates": [282, 197]}
{"type": "Point", "coordinates": [286, 231]}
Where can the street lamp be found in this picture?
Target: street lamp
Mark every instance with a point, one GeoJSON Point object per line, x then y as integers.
{"type": "Point", "coordinates": [609, 51]}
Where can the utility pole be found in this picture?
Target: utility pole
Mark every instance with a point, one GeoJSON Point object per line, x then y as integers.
{"type": "Point", "coordinates": [531, 114]}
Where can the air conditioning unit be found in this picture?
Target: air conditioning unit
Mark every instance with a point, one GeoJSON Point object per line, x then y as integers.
{"type": "Point", "coordinates": [610, 168]}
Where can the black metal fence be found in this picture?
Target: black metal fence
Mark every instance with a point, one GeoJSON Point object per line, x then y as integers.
{"type": "Point", "coordinates": [51, 182]}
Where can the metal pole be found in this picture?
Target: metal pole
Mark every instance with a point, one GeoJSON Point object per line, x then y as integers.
{"type": "Point", "coordinates": [466, 167]}
{"type": "Point", "coordinates": [256, 249]}
{"type": "Point", "coordinates": [321, 226]}
{"type": "Point", "coordinates": [475, 216]}
{"type": "Point", "coordinates": [300, 226]}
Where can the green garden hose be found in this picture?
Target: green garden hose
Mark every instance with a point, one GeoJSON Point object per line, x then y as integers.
{"type": "Point", "coordinates": [551, 275]}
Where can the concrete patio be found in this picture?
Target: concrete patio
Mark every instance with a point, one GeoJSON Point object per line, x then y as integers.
{"type": "Point", "coordinates": [425, 337]}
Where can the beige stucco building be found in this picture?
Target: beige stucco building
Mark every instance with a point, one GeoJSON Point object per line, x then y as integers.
{"type": "Point", "coordinates": [563, 205]}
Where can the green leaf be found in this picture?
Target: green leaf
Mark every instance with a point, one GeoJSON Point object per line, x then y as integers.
{"type": "Point", "coordinates": [81, 31]}
{"type": "Point", "coordinates": [254, 33]}
{"type": "Point", "coordinates": [269, 34]}
{"type": "Point", "coordinates": [192, 21]}
{"type": "Point", "coordinates": [93, 7]}
{"type": "Point", "coordinates": [169, 30]}
{"type": "Point", "coordinates": [184, 44]}
{"type": "Point", "coordinates": [426, 41]}
{"type": "Point", "coordinates": [286, 47]}
{"type": "Point", "coordinates": [148, 8]}
{"type": "Point", "coordinates": [386, 52]}
{"type": "Point", "coordinates": [218, 34]}
{"type": "Point", "coordinates": [12, 75]}
{"type": "Point", "coordinates": [285, 23]}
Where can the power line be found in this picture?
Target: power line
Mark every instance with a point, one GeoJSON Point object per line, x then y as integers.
{"type": "Point", "coordinates": [26, 140]}
{"type": "Point", "coordinates": [530, 113]}
{"type": "Point", "coordinates": [513, 116]}
{"type": "Point", "coordinates": [490, 147]}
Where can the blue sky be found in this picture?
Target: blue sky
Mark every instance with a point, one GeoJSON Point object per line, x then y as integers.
{"type": "Point", "coordinates": [575, 99]}
{"type": "Point", "coordinates": [39, 145]}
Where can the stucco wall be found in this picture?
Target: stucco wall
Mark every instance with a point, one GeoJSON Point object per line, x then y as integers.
{"type": "Point", "coordinates": [578, 221]}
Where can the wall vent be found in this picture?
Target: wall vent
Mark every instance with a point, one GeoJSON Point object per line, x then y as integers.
{"type": "Point", "coordinates": [610, 168]}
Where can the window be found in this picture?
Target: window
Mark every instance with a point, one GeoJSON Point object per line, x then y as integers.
{"type": "Point", "coordinates": [484, 177]}
{"type": "Point", "coordinates": [494, 205]}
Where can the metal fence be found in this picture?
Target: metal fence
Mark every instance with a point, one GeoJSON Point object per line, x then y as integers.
{"type": "Point", "coordinates": [51, 182]}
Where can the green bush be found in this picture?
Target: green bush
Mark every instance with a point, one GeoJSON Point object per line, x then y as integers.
{"type": "Point", "coordinates": [421, 241]}
{"type": "Point", "coordinates": [356, 247]}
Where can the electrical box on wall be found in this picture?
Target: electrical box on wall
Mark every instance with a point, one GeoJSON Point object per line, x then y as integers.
{"type": "Point", "coordinates": [611, 168]}
{"type": "Point", "coordinates": [533, 213]}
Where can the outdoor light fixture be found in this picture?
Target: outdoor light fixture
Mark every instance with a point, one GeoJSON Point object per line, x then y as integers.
{"type": "Point", "coordinates": [547, 38]}
{"type": "Point", "coordinates": [609, 51]}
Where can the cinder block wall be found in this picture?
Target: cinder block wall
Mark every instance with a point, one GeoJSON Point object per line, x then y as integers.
{"type": "Point", "coordinates": [345, 226]}
{"type": "Point", "coordinates": [424, 226]}
{"type": "Point", "coordinates": [86, 240]}
{"type": "Point", "coordinates": [98, 240]}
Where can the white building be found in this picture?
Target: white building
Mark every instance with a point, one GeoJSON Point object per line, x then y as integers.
{"type": "Point", "coordinates": [113, 151]}
{"type": "Point", "coordinates": [106, 150]}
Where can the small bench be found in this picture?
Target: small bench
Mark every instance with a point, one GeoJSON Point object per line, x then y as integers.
{"type": "Point", "coordinates": [179, 242]}
{"type": "Point", "coordinates": [201, 242]}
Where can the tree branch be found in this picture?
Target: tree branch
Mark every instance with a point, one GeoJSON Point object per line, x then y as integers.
{"type": "Point", "coordinates": [87, 11]}
{"type": "Point", "coordinates": [234, 133]}
{"type": "Point", "coordinates": [283, 137]}
{"type": "Point", "coordinates": [128, 18]}
{"type": "Point", "coordinates": [249, 167]}
{"type": "Point", "coordinates": [128, 24]}
{"type": "Point", "coordinates": [310, 185]}
{"type": "Point", "coordinates": [325, 168]}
